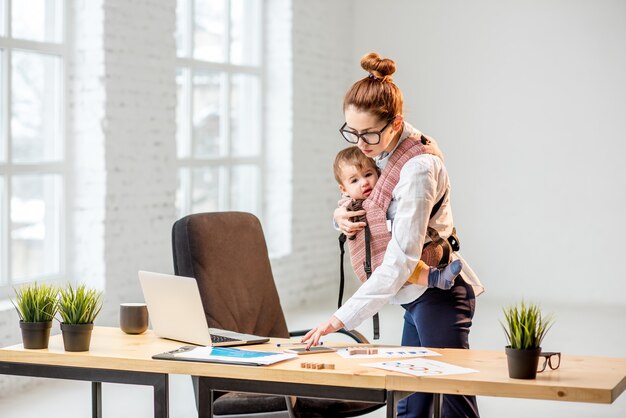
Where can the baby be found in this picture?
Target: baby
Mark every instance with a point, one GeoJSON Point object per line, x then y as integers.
{"type": "Point", "coordinates": [356, 175]}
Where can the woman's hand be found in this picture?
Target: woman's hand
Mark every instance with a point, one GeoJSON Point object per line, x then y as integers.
{"type": "Point", "coordinates": [342, 218]}
{"type": "Point", "coordinates": [313, 337]}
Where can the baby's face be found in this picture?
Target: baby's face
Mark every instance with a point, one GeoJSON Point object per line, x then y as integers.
{"type": "Point", "coordinates": [357, 183]}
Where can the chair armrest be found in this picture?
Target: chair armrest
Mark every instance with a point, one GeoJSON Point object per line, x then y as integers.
{"type": "Point", "coordinates": [354, 334]}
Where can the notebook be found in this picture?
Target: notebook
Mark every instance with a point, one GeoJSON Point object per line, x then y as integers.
{"type": "Point", "coordinates": [176, 312]}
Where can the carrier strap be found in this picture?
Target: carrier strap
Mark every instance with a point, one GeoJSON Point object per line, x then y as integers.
{"type": "Point", "coordinates": [342, 279]}
{"type": "Point", "coordinates": [367, 264]}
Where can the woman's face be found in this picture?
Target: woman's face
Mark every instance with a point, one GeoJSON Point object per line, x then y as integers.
{"type": "Point", "coordinates": [363, 122]}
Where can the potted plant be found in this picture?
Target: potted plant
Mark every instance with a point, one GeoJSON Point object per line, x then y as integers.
{"type": "Point", "coordinates": [525, 328]}
{"type": "Point", "coordinates": [36, 305]}
{"type": "Point", "coordinates": [78, 307]}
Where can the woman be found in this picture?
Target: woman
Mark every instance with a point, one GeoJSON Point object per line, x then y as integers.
{"type": "Point", "coordinates": [373, 110]}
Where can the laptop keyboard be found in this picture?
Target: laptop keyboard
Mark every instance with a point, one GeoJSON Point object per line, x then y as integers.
{"type": "Point", "coordinates": [222, 339]}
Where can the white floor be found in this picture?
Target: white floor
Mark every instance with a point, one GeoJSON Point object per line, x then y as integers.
{"type": "Point", "coordinates": [587, 331]}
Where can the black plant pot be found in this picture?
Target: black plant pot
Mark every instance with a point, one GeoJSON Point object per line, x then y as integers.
{"type": "Point", "coordinates": [522, 363]}
{"type": "Point", "coordinates": [35, 335]}
{"type": "Point", "coordinates": [76, 337]}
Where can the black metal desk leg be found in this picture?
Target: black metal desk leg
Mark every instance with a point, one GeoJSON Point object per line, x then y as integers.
{"type": "Point", "coordinates": [205, 399]}
{"type": "Point", "coordinates": [393, 396]}
{"type": "Point", "coordinates": [437, 400]}
{"type": "Point", "coordinates": [96, 399]}
{"type": "Point", "coordinates": [161, 397]}
{"type": "Point", "coordinates": [392, 400]}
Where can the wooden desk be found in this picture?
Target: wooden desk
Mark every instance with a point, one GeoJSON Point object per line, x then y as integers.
{"type": "Point", "coordinates": [578, 379]}
{"type": "Point", "coordinates": [120, 358]}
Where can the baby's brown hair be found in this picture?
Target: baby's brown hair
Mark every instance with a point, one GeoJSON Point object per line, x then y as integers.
{"type": "Point", "coordinates": [352, 156]}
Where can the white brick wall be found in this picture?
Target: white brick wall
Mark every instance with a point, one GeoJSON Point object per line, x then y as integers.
{"type": "Point", "coordinates": [278, 124]}
{"type": "Point", "coordinates": [322, 63]}
{"type": "Point", "coordinates": [121, 124]}
{"type": "Point", "coordinates": [124, 179]}
{"type": "Point", "coordinates": [140, 150]}
{"type": "Point", "coordinates": [86, 140]}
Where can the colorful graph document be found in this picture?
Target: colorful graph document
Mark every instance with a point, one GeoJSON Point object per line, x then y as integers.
{"type": "Point", "coordinates": [226, 355]}
{"type": "Point", "coordinates": [421, 367]}
{"type": "Point", "coordinates": [390, 352]}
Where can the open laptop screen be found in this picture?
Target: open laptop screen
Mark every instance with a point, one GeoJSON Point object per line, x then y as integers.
{"type": "Point", "coordinates": [176, 312]}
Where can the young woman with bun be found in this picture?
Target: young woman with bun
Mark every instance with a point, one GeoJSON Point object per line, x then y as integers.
{"type": "Point", "coordinates": [419, 211]}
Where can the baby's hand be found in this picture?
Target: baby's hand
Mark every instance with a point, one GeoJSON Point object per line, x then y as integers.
{"type": "Point", "coordinates": [343, 220]}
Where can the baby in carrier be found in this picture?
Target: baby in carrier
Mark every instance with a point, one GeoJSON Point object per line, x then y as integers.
{"type": "Point", "coordinates": [356, 175]}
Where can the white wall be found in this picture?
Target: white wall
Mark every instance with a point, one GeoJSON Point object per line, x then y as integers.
{"type": "Point", "coordinates": [321, 50]}
{"type": "Point", "coordinates": [528, 102]}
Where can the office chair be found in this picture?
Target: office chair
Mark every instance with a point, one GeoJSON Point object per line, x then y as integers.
{"type": "Point", "coordinates": [226, 253]}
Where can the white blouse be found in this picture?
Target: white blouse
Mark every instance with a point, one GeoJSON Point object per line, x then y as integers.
{"type": "Point", "coordinates": [423, 181]}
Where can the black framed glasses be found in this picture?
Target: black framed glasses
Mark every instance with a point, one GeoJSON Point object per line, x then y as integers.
{"type": "Point", "coordinates": [550, 358]}
{"type": "Point", "coordinates": [370, 138]}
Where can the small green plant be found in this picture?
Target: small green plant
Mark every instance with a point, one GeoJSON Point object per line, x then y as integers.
{"type": "Point", "coordinates": [79, 305]}
{"type": "Point", "coordinates": [36, 302]}
{"type": "Point", "coordinates": [524, 326]}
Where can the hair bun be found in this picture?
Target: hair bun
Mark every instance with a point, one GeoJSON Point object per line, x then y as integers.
{"type": "Point", "coordinates": [381, 68]}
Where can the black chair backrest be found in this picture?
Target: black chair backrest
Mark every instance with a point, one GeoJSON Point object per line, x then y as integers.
{"type": "Point", "coordinates": [227, 254]}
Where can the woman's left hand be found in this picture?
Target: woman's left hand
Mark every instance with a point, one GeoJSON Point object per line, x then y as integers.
{"type": "Point", "coordinates": [313, 337]}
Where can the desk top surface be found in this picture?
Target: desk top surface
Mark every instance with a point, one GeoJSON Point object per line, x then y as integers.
{"type": "Point", "coordinates": [579, 378]}
{"type": "Point", "coordinates": [113, 349]}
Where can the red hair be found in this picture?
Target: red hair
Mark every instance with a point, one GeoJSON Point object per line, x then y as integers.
{"type": "Point", "coordinates": [376, 93]}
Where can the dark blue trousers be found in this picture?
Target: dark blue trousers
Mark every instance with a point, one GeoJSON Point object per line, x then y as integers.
{"type": "Point", "coordinates": [439, 319]}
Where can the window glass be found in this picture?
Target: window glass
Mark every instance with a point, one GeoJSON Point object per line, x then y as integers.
{"type": "Point", "coordinates": [2, 18]}
{"type": "Point", "coordinates": [182, 206]}
{"type": "Point", "coordinates": [182, 28]}
{"type": "Point", "coordinates": [245, 188]}
{"type": "Point", "coordinates": [32, 142]}
{"type": "Point", "coordinates": [205, 189]}
{"type": "Point", "coordinates": [219, 133]}
{"type": "Point", "coordinates": [3, 139]}
{"type": "Point", "coordinates": [35, 226]}
{"type": "Point", "coordinates": [3, 209]}
{"type": "Point", "coordinates": [245, 113]}
{"type": "Point", "coordinates": [183, 137]}
{"type": "Point", "coordinates": [207, 100]}
{"type": "Point", "coordinates": [244, 32]}
{"type": "Point", "coordinates": [35, 107]}
{"type": "Point", "coordinates": [37, 20]}
{"type": "Point", "coordinates": [209, 30]}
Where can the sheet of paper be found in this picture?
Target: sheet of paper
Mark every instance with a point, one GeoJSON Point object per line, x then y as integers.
{"type": "Point", "coordinates": [233, 355]}
{"type": "Point", "coordinates": [421, 367]}
{"type": "Point", "coordinates": [390, 352]}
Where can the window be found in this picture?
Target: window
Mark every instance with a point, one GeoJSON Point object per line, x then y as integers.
{"type": "Point", "coordinates": [219, 129]}
{"type": "Point", "coordinates": [32, 142]}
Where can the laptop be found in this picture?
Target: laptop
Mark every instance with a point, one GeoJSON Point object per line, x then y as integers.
{"type": "Point", "coordinates": [176, 312]}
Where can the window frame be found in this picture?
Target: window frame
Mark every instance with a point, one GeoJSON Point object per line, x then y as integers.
{"type": "Point", "coordinates": [9, 169]}
{"type": "Point", "coordinates": [227, 162]}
